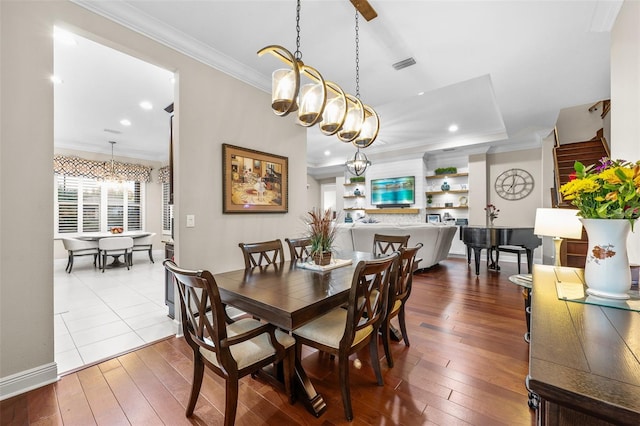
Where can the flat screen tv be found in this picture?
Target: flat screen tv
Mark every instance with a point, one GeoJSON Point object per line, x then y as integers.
{"type": "Point", "coordinates": [393, 192]}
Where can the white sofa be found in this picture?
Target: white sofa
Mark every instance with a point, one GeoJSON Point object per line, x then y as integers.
{"type": "Point", "coordinates": [436, 239]}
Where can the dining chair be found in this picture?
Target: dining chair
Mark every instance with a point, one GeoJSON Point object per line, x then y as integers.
{"type": "Point", "coordinates": [260, 254]}
{"type": "Point", "coordinates": [76, 247]}
{"type": "Point", "coordinates": [230, 350]}
{"type": "Point", "coordinates": [144, 244]}
{"type": "Point", "coordinates": [298, 248]}
{"type": "Point", "coordinates": [342, 332]}
{"type": "Point", "coordinates": [384, 244]}
{"type": "Point", "coordinates": [399, 292]}
{"type": "Point", "coordinates": [116, 247]}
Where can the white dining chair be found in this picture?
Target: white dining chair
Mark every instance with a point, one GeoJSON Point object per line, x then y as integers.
{"type": "Point", "coordinates": [76, 247]}
{"type": "Point", "coordinates": [116, 247]}
{"type": "Point", "coordinates": [145, 244]}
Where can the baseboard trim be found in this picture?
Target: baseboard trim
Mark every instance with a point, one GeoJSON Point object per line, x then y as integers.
{"type": "Point", "coordinates": [27, 380]}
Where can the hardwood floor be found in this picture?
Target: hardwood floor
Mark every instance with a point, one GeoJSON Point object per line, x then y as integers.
{"type": "Point", "coordinates": [466, 365]}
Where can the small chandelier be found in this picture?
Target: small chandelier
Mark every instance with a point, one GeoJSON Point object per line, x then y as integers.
{"type": "Point", "coordinates": [318, 101]}
{"type": "Point", "coordinates": [111, 175]}
{"type": "Point", "coordinates": [358, 164]}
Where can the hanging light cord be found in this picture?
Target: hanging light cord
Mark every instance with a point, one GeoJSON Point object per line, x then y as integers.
{"type": "Point", "coordinates": [357, 59]}
{"type": "Point", "coordinates": [297, 54]}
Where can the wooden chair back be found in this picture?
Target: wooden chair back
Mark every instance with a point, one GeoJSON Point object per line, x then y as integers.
{"type": "Point", "coordinates": [260, 254]}
{"type": "Point", "coordinates": [386, 244]}
{"type": "Point", "coordinates": [202, 312]}
{"type": "Point", "coordinates": [255, 344]}
{"type": "Point", "coordinates": [368, 297]}
{"type": "Point", "coordinates": [400, 289]}
{"type": "Point", "coordinates": [298, 247]}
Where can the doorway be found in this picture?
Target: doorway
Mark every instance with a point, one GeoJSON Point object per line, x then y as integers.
{"type": "Point", "coordinates": [102, 95]}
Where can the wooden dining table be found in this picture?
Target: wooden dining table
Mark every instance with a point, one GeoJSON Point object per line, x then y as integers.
{"type": "Point", "coordinates": [288, 296]}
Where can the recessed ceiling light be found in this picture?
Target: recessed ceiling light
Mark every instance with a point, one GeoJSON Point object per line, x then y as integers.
{"type": "Point", "coordinates": [64, 37]}
{"type": "Point", "coordinates": [146, 105]}
{"type": "Point", "coordinates": [327, 152]}
{"type": "Point", "coordinates": [55, 79]}
{"type": "Point", "coordinates": [453, 128]}
{"type": "Point", "coordinates": [125, 122]}
{"type": "Point", "coordinates": [420, 93]}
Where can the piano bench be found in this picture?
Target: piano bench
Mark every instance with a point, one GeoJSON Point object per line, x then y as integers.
{"type": "Point", "coordinates": [516, 250]}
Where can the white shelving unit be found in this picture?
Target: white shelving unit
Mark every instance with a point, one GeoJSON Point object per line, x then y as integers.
{"type": "Point", "coordinates": [355, 198]}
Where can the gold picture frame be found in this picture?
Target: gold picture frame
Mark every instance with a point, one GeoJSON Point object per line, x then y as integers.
{"type": "Point", "coordinates": [254, 181]}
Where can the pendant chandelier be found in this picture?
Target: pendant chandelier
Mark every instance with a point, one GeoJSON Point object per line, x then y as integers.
{"type": "Point", "coordinates": [111, 176]}
{"type": "Point", "coordinates": [318, 101]}
{"type": "Point", "coordinates": [358, 164]}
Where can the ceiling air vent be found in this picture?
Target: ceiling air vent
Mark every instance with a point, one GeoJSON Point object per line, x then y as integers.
{"type": "Point", "coordinates": [117, 132]}
{"type": "Point", "coordinates": [403, 64]}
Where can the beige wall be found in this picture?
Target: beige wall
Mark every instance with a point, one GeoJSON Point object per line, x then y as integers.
{"type": "Point", "coordinates": [211, 109]}
{"type": "Point", "coordinates": [625, 95]}
{"type": "Point", "coordinates": [520, 212]}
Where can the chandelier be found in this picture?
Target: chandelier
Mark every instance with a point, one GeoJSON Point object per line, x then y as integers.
{"type": "Point", "coordinates": [318, 101]}
{"type": "Point", "coordinates": [358, 164]}
{"type": "Point", "coordinates": [111, 175]}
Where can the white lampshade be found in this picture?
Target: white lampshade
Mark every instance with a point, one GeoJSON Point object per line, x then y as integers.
{"type": "Point", "coordinates": [559, 224]}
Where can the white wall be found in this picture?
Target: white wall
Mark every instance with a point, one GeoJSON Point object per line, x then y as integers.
{"type": "Point", "coordinates": [211, 109]}
{"type": "Point", "coordinates": [625, 96]}
{"type": "Point", "coordinates": [577, 124]}
{"type": "Point", "coordinates": [313, 193]}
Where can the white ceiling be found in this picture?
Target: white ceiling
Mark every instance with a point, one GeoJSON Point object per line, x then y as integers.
{"type": "Point", "coordinates": [500, 70]}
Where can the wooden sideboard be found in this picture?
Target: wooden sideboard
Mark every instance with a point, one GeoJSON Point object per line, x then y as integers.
{"type": "Point", "coordinates": [584, 360]}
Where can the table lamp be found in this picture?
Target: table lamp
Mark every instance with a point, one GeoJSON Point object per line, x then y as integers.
{"type": "Point", "coordinates": [559, 224]}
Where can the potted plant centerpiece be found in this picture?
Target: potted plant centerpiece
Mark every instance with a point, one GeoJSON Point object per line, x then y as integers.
{"type": "Point", "coordinates": [322, 233]}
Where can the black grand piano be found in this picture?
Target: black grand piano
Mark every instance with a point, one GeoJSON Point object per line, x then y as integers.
{"type": "Point", "coordinates": [490, 238]}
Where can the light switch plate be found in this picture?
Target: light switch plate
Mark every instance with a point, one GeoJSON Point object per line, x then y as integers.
{"type": "Point", "coordinates": [191, 221]}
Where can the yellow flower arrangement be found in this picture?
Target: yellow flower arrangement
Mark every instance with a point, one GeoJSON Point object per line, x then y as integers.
{"type": "Point", "coordinates": [607, 190]}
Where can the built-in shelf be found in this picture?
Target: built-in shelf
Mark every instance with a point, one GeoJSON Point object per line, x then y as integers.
{"type": "Point", "coordinates": [353, 196]}
{"type": "Point", "coordinates": [442, 208]}
{"type": "Point", "coordinates": [354, 183]}
{"type": "Point", "coordinates": [452, 191]}
{"type": "Point", "coordinates": [446, 176]}
{"type": "Point", "coordinates": [352, 209]}
{"type": "Point", "coordinates": [392, 211]}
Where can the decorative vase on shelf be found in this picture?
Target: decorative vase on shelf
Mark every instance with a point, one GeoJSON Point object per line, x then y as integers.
{"type": "Point", "coordinates": [606, 272]}
{"type": "Point", "coordinates": [445, 186]}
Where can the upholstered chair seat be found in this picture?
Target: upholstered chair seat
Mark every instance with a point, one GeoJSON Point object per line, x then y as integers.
{"type": "Point", "coordinates": [115, 246]}
{"type": "Point", "coordinates": [252, 351]}
{"type": "Point", "coordinates": [329, 329]}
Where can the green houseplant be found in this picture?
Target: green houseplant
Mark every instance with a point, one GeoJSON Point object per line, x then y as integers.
{"type": "Point", "coordinates": [322, 233]}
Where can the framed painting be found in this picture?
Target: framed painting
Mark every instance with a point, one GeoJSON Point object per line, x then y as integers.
{"type": "Point", "coordinates": [433, 218]}
{"type": "Point", "coordinates": [254, 181]}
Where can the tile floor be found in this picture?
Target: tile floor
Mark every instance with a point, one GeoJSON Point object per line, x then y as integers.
{"type": "Point", "coordinates": [98, 315]}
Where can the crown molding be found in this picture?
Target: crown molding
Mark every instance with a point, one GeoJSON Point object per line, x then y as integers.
{"type": "Point", "coordinates": [135, 20]}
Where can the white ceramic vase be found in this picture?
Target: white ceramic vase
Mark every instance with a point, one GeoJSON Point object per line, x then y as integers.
{"type": "Point", "coordinates": [606, 271]}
